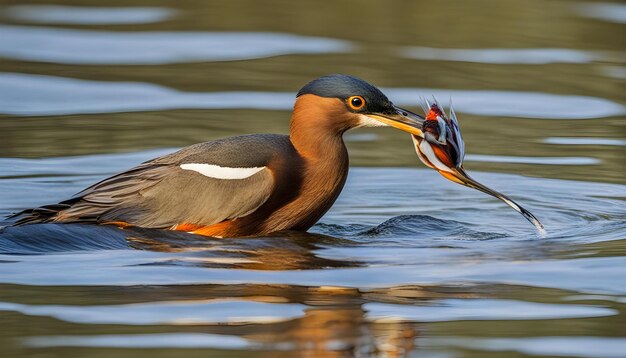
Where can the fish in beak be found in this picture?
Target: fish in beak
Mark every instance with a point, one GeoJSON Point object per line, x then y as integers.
{"type": "Point", "coordinates": [440, 146]}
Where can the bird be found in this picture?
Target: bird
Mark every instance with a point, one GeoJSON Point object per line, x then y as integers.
{"type": "Point", "coordinates": [248, 185]}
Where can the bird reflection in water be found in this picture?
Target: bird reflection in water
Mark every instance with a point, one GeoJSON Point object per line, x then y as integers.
{"type": "Point", "coordinates": [335, 324]}
{"type": "Point", "coordinates": [339, 332]}
{"type": "Point", "coordinates": [334, 321]}
{"type": "Point", "coordinates": [288, 250]}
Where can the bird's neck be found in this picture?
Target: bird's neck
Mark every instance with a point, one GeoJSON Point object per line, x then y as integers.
{"type": "Point", "coordinates": [317, 127]}
{"type": "Point", "coordinates": [325, 163]}
{"type": "Point", "coordinates": [319, 143]}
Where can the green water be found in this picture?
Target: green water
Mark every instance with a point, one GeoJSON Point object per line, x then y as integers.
{"type": "Point", "coordinates": [405, 264]}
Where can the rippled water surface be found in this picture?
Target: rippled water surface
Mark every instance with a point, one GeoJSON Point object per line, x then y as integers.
{"type": "Point", "coordinates": [404, 264]}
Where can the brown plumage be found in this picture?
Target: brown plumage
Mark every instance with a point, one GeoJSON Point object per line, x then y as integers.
{"type": "Point", "coordinates": [246, 185]}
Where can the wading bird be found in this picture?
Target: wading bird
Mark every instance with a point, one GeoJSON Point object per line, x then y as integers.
{"type": "Point", "coordinates": [246, 185]}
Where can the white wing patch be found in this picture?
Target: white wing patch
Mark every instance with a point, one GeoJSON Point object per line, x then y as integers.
{"type": "Point", "coordinates": [217, 172]}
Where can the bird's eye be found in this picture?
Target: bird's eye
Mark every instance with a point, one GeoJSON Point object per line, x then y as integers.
{"type": "Point", "coordinates": [356, 102]}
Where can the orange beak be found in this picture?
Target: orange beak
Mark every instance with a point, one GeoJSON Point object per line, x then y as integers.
{"type": "Point", "coordinates": [404, 120]}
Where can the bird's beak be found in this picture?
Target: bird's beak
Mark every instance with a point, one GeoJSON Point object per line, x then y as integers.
{"type": "Point", "coordinates": [458, 175]}
{"type": "Point", "coordinates": [402, 119]}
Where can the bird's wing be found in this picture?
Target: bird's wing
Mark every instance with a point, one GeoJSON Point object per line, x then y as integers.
{"type": "Point", "coordinates": [202, 184]}
{"type": "Point", "coordinates": [163, 196]}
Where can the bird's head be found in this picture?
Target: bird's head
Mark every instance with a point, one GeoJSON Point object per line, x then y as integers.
{"type": "Point", "coordinates": [341, 102]}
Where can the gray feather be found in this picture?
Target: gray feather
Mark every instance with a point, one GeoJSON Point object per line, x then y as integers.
{"type": "Point", "coordinates": [159, 194]}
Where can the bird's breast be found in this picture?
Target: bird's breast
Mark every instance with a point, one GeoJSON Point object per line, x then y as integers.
{"type": "Point", "coordinates": [320, 182]}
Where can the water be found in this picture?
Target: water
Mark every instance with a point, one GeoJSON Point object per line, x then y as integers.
{"type": "Point", "coordinates": [405, 263]}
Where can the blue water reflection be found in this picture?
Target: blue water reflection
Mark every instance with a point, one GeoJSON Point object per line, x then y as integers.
{"type": "Point", "coordinates": [156, 340]}
{"type": "Point", "coordinates": [529, 56]}
{"type": "Point", "coordinates": [30, 95]}
{"type": "Point", "coordinates": [89, 47]}
{"type": "Point", "coordinates": [585, 141]}
{"type": "Point", "coordinates": [532, 160]}
{"type": "Point", "coordinates": [606, 11]}
{"type": "Point", "coordinates": [171, 312]}
{"type": "Point", "coordinates": [81, 15]}
{"type": "Point", "coordinates": [553, 346]}
{"type": "Point", "coordinates": [406, 263]}
{"type": "Point", "coordinates": [246, 312]}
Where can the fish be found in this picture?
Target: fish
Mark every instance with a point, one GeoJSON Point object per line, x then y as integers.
{"type": "Point", "coordinates": [441, 147]}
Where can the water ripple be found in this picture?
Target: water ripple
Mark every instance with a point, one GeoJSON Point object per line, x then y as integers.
{"type": "Point", "coordinates": [616, 72]}
{"type": "Point", "coordinates": [514, 103]}
{"type": "Point", "coordinates": [585, 141]}
{"type": "Point", "coordinates": [88, 47]}
{"type": "Point", "coordinates": [153, 340]}
{"type": "Point", "coordinates": [233, 311]}
{"type": "Point", "coordinates": [602, 275]}
{"type": "Point", "coordinates": [574, 346]}
{"type": "Point", "coordinates": [417, 226]}
{"type": "Point", "coordinates": [528, 56]}
{"type": "Point", "coordinates": [172, 312]}
{"type": "Point", "coordinates": [81, 15]}
{"type": "Point", "coordinates": [481, 309]}
{"type": "Point", "coordinates": [48, 238]}
{"type": "Point", "coordinates": [532, 160]}
{"type": "Point", "coordinates": [38, 95]}
{"type": "Point", "coordinates": [440, 241]}
{"type": "Point", "coordinates": [611, 12]}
